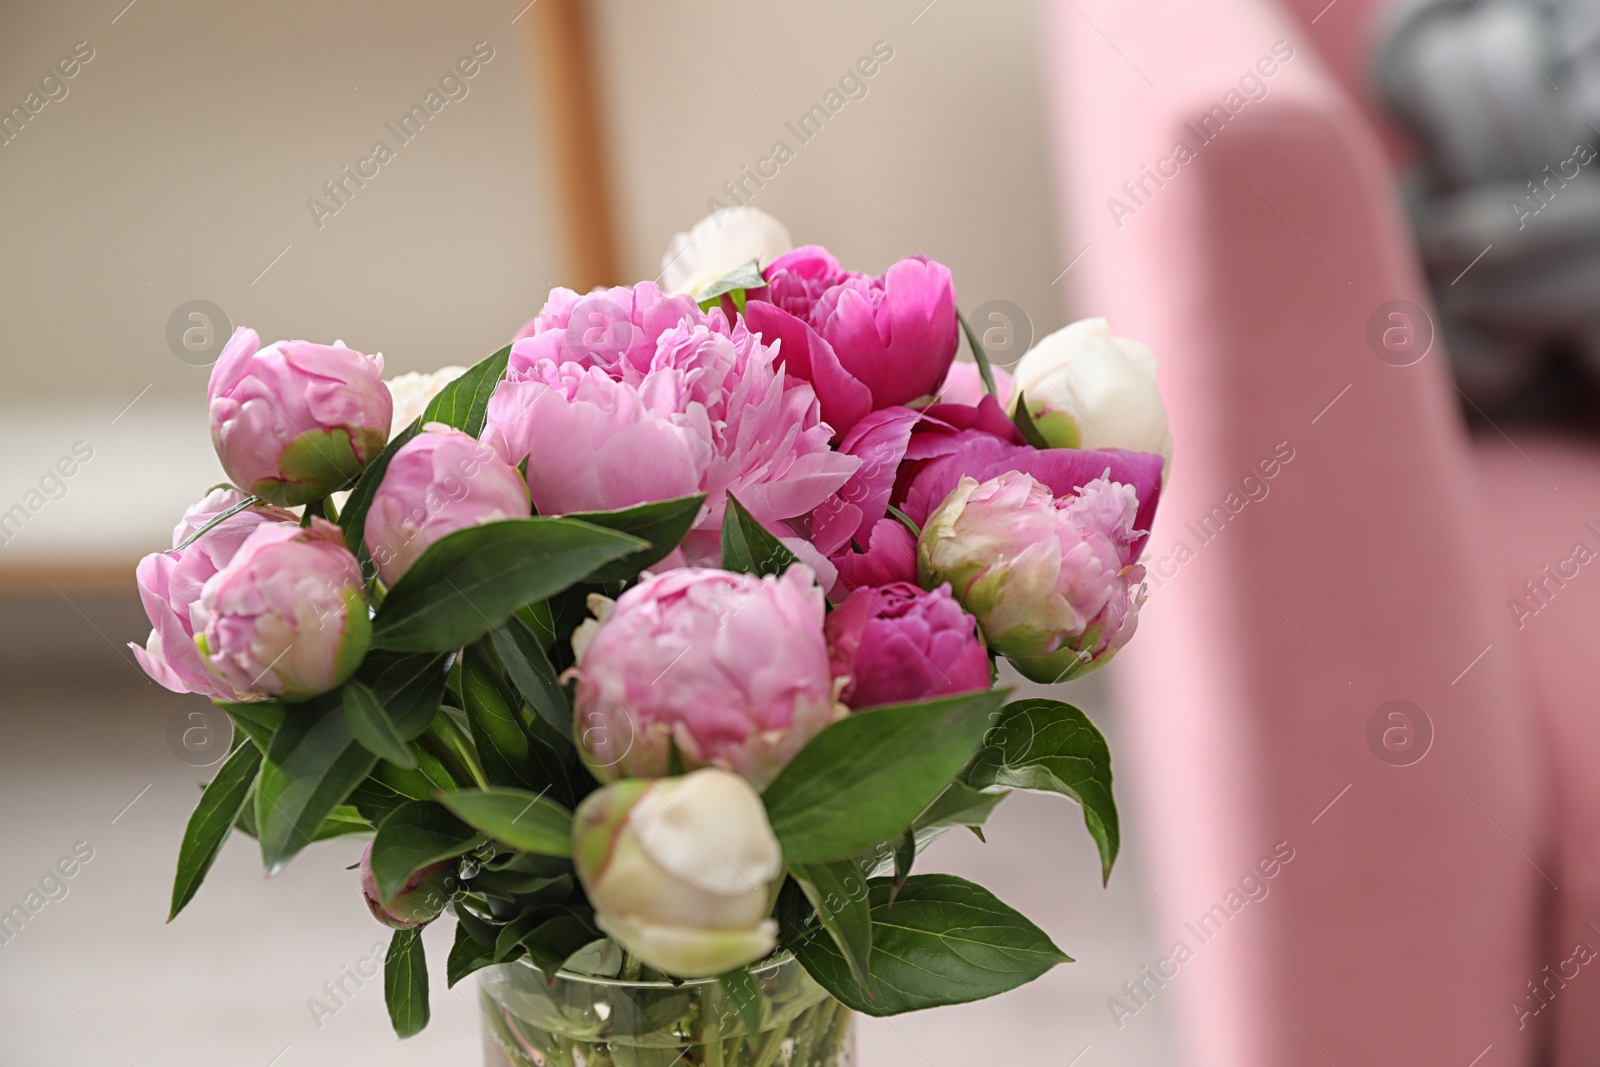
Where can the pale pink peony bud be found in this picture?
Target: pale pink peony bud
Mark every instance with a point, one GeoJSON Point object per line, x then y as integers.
{"type": "Point", "coordinates": [730, 668]}
{"type": "Point", "coordinates": [437, 483]}
{"type": "Point", "coordinates": [295, 421]}
{"type": "Point", "coordinates": [286, 617]}
{"type": "Point", "coordinates": [421, 900]}
{"type": "Point", "coordinates": [1051, 580]}
{"type": "Point", "coordinates": [170, 583]}
{"type": "Point", "coordinates": [680, 870]}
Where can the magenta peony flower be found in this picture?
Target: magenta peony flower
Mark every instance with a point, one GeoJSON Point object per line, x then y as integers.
{"type": "Point", "coordinates": [170, 583]}
{"type": "Point", "coordinates": [295, 421]}
{"type": "Point", "coordinates": [730, 668]}
{"type": "Point", "coordinates": [421, 900]}
{"type": "Point", "coordinates": [286, 616]}
{"type": "Point", "coordinates": [437, 483]}
{"type": "Point", "coordinates": [897, 644]}
{"type": "Point", "coordinates": [647, 409]}
{"type": "Point", "coordinates": [1051, 580]}
{"type": "Point", "coordinates": [864, 343]}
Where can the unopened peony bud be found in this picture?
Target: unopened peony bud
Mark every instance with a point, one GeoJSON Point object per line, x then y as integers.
{"type": "Point", "coordinates": [898, 644]}
{"type": "Point", "coordinates": [1051, 581]}
{"type": "Point", "coordinates": [294, 422]}
{"type": "Point", "coordinates": [437, 483]}
{"type": "Point", "coordinates": [170, 584]}
{"type": "Point", "coordinates": [680, 870]}
{"type": "Point", "coordinates": [1088, 389]}
{"type": "Point", "coordinates": [421, 900]}
{"type": "Point", "coordinates": [732, 669]}
{"type": "Point", "coordinates": [286, 617]}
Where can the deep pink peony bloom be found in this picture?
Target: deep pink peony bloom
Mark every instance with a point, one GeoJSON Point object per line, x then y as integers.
{"type": "Point", "coordinates": [912, 459]}
{"type": "Point", "coordinates": [864, 343]}
{"type": "Point", "coordinates": [732, 668]}
{"type": "Point", "coordinates": [421, 900]}
{"type": "Point", "coordinates": [897, 643]}
{"type": "Point", "coordinates": [295, 421]}
{"type": "Point", "coordinates": [438, 482]}
{"type": "Point", "coordinates": [286, 615]}
{"type": "Point", "coordinates": [1052, 580]}
{"type": "Point", "coordinates": [649, 409]}
{"type": "Point", "coordinates": [169, 586]}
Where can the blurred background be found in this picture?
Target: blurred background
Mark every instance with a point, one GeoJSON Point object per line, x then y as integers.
{"type": "Point", "coordinates": [1373, 254]}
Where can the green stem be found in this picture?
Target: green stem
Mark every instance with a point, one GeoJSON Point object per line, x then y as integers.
{"type": "Point", "coordinates": [979, 356]}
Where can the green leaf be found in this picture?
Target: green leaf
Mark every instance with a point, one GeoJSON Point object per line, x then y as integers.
{"type": "Point", "coordinates": [311, 767]}
{"type": "Point", "coordinates": [744, 277]}
{"type": "Point", "coordinates": [354, 520]}
{"type": "Point", "coordinates": [1046, 746]}
{"type": "Point", "coordinates": [408, 685]}
{"type": "Point", "coordinates": [744, 993]}
{"type": "Point", "coordinates": [514, 751]}
{"type": "Point", "coordinates": [549, 934]}
{"type": "Point", "coordinates": [750, 548]}
{"type": "Point", "coordinates": [905, 855]}
{"type": "Point", "coordinates": [864, 779]}
{"type": "Point", "coordinates": [662, 524]}
{"type": "Point", "coordinates": [371, 726]}
{"type": "Point", "coordinates": [958, 805]}
{"type": "Point", "coordinates": [464, 403]}
{"type": "Point", "coordinates": [468, 582]}
{"type": "Point", "coordinates": [405, 983]}
{"type": "Point", "coordinates": [943, 941]}
{"type": "Point", "coordinates": [515, 817]}
{"type": "Point", "coordinates": [415, 835]}
{"type": "Point", "coordinates": [259, 720]}
{"type": "Point", "coordinates": [838, 891]}
{"type": "Point", "coordinates": [1025, 425]}
{"type": "Point", "coordinates": [224, 798]}
{"type": "Point", "coordinates": [467, 954]}
{"type": "Point", "coordinates": [979, 356]}
{"type": "Point", "coordinates": [533, 674]}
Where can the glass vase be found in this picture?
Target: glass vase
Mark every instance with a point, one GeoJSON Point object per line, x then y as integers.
{"type": "Point", "coordinates": [583, 1020]}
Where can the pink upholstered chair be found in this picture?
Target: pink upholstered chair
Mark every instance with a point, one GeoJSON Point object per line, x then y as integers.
{"type": "Point", "coordinates": [1421, 910]}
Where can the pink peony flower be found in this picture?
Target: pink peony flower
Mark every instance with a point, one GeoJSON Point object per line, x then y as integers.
{"type": "Point", "coordinates": [650, 409]}
{"type": "Point", "coordinates": [864, 343]}
{"type": "Point", "coordinates": [438, 482]}
{"type": "Point", "coordinates": [897, 643]}
{"type": "Point", "coordinates": [170, 583]}
{"type": "Point", "coordinates": [1051, 580]}
{"type": "Point", "coordinates": [730, 668]}
{"type": "Point", "coordinates": [286, 616]}
{"type": "Point", "coordinates": [295, 421]}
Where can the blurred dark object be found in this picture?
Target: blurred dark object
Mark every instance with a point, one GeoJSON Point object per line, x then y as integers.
{"type": "Point", "coordinates": [1503, 97]}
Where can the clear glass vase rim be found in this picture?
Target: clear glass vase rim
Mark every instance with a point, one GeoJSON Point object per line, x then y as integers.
{"type": "Point", "coordinates": [760, 967]}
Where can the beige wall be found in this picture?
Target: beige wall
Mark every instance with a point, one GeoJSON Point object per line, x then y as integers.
{"type": "Point", "coordinates": [180, 162]}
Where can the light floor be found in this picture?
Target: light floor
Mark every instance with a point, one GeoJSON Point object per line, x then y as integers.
{"type": "Point", "coordinates": [98, 980]}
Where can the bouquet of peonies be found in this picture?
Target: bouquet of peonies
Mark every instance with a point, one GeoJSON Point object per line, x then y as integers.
{"type": "Point", "coordinates": [656, 646]}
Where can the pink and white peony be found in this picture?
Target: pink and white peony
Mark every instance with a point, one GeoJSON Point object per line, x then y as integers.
{"type": "Point", "coordinates": [1051, 580]}
{"type": "Point", "coordinates": [680, 870]}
